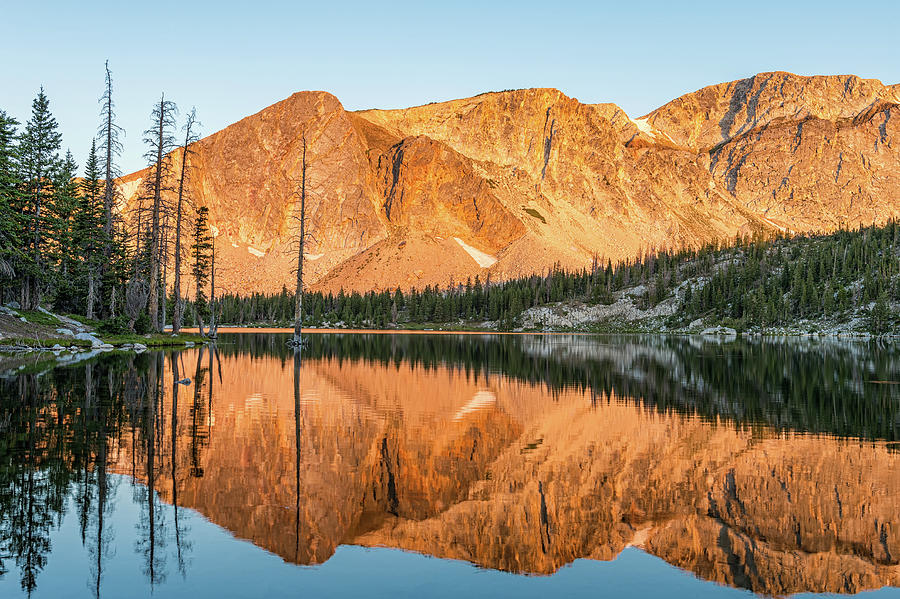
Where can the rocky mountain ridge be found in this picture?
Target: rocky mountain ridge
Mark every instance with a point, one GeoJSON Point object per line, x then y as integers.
{"type": "Point", "coordinates": [510, 183]}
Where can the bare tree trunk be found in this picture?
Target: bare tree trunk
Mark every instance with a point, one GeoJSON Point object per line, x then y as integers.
{"type": "Point", "coordinates": [213, 320]}
{"type": "Point", "coordinates": [164, 286]}
{"type": "Point", "coordinates": [154, 227]}
{"type": "Point", "coordinates": [176, 285]}
{"type": "Point", "coordinates": [178, 317]}
{"type": "Point", "coordinates": [298, 295]}
{"type": "Point", "coordinates": [199, 318]}
{"type": "Point", "coordinates": [90, 293]}
{"type": "Point", "coordinates": [110, 140]}
{"type": "Point", "coordinates": [34, 297]}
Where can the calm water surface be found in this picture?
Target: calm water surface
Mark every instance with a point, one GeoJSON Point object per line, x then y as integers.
{"type": "Point", "coordinates": [449, 465]}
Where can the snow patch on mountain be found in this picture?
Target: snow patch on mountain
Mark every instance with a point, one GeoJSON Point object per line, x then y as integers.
{"type": "Point", "coordinates": [644, 126]}
{"type": "Point", "coordinates": [483, 260]}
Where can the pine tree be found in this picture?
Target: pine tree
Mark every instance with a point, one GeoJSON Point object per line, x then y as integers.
{"type": "Point", "coordinates": [62, 251]}
{"type": "Point", "coordinates": [89, 230]}
{"type": "Point", "coordinates": [200, 253]}
{"type": "Point", "coordinates": [38, 162]}
{"type": "Point", "coordinates": [879, 315]}
{"type": "Point", "coordinates": [10, 217]}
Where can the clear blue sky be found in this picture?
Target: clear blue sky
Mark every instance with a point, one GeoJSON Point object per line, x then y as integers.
{"type": "Point", "coordinates": [231, 59]}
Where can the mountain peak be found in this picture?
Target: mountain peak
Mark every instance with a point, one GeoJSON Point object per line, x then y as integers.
{"type": "Point", "coordinates": [716, 113]}
{"type": "Point", "coordinates": [514, 182]}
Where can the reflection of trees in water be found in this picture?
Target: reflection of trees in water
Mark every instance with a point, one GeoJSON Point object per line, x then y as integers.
{"type": "Point", "coordinates": [60, 433]}
{"type": "Point", "coordinates": [55, 446]}
{"type": "Point", "coordinates": [151, 523]}
{"type": "Point", "coordinates": [181, 531]}
{"type": "Point", "coordinates": [831, 387]}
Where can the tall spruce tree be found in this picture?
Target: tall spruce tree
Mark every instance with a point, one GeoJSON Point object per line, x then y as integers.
{"type": "Point", "coordinates": [200, 254]}
{"type": "Point", "coordinates": [63, 251]}
{"type": "Point", "coordinates": [10, 217]}
{"type": "Point", "coordinates": [38, 162]}
{"type": "Point", "coordinates": [89, 230]}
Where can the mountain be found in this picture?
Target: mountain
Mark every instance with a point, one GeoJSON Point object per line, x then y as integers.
{"type": "Point", "coordinates": [513, 182]}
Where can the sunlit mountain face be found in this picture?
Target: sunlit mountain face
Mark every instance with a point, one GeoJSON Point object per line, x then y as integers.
{"type": "Point", "coordinates": [512, 183]}
{"type": "Point", "coordinates": [519, 454]}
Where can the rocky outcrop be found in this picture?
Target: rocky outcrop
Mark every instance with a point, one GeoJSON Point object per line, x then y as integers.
{"type": "Point", "coordinates": [531, 178]}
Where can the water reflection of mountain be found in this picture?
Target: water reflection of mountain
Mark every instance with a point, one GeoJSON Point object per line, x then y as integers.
{"type": "Point", "coordinates": [849, 389]}
{"type": "Point", "coordinates": [450, 458]}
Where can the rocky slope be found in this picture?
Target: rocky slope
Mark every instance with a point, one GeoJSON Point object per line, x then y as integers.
{"type": "Point", "coordinates": [512, 182]}
{"type": "Point", "coordinates": [512, 476]}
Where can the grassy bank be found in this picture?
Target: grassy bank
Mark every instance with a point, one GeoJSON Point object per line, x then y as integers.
{"type": "Point", "coordinates": [154, 340]}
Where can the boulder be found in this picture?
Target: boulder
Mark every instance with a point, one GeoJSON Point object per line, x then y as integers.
{"type": "Point", "coordinates": [14, 305]}
{"type": "Point", "coordinates": [140, 347]}
{"type": "Point", "coordinates": [716, 331]}
{"type": "Point", "coordinates": [65, 332]}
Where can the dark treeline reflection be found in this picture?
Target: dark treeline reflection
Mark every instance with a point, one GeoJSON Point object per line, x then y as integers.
{"type": "Point", "coordinates": [62, 431]}
{"type": "Point", "coordinates": [831, 387]}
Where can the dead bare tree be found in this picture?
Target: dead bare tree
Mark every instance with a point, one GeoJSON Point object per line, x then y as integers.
{"type": "Point", "coordinates": [161, 142]}
{"type": "Point", "coordinates": [213, 311]}
{"type": "Point", "coordinates": [298, 294]}
{"type": "Point", "coordinates": [164, 261]}
{"type": "Point", "coordinates": [110, 149]}
{"type": "Point", "coordinates": [190, 136]}
{"type": "Point", "coordinates": [136, 293]}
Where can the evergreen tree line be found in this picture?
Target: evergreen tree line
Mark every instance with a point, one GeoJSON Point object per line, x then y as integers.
{"type": "Point", "coordinates": [64, 243]}
{"type": "Point", "coordinates": [750, 282]}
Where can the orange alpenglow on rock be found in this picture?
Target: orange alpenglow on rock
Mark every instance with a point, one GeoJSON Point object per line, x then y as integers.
{"type": "Point", "coordinates": [512, 476]}
{"type": "Point", "coordinates": [514, 182]}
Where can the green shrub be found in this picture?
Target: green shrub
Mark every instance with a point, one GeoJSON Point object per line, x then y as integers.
{"type": "Point", "coordinates": [114, 326]}
{"type": "Point", "coordinates": [142, 325]}
{"type": "Point", "coordinates": [880, 316]}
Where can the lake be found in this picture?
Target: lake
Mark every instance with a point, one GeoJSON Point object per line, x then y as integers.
{"type": "Point", "coordinates": [455, 465]}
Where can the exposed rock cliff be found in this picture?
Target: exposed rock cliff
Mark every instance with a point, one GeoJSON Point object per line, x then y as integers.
{"type": "Point", "coordinates": [512, 182]}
